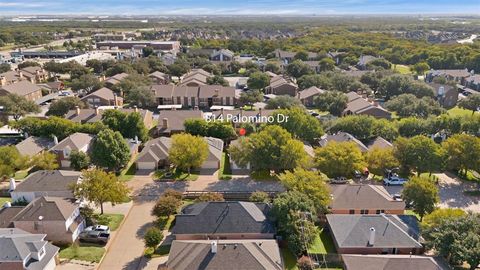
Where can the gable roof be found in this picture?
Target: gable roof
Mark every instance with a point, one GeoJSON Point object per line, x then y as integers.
{"type": "Point", "coordinates": [155, 150]}
{"type": "Point", "coordinates": [34, 145]}
{"type": "Point", "coordinates": [176, 118]}
{"type": "Point", "coordinates": [380, 143]}
{"type": "Point", "coordinates": [158, 75]}
{"type": "Point", "coordinates": [206, 91]}
{"type": "Point", "coordinates": [392, 231]}
{"type": "Point", "coordinates": [230, 254]}
{"type": "Point", "coordinates": [342, 137]}
{"type": "Point", "coordinates": [116, 78]}
{"type": "Point", "coordinates": [50, 208]}
{"type": "Point", "coordinates": [21, 88]}
{"type": "Point", "coordinates": [224, 218]}
{"type": "Point", "coordinates": [309, 92]}
{"type": "Point", "coordinates": [393, 262]}
{"type": "Point", "coordinates": [91, 115]}
{"type": "Point", "coordinates": [223, 51]}
{"type": "Point", "coordinates": [104, 93]}
{"type": "Point", "coordinates": [359, 196]}
{"type": "Point", "coordinates": [45, 181]}
{"type": "Point", "coordinates": [450, 72]}
{"type": "Point", "coordinates": [76, 141]}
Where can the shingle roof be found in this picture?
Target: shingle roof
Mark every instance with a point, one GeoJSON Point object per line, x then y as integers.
{"type": "Point", "coordinates": [379, 142]}
{"type": "Point", "coordinates": [76, 141]}
{"type": "Point", "coordinates": [50, 208]}
{"type": "Point", "coordinates": [91, 116]}
{"type": "Point", "coordinates": [206, 91]}
{"type": "Point", "coordinates": [34, 145]}
{"type": "Point", "coordinates": [116, 78]}
{"type": "Point", "coordinates": [230, 254]}
{"type": "Point", "coordinates": [359, 196]}
{"type": "Point", "coordinates": [223, 218]}
{"type": "Point", "coordinates": [393, 262]}
{"type": "Point", "coordinates": [104, 93]}
{"type": "Point", "coordinates": [45, 181]}
{"type": "Point", "coordinates": [155, 150]}
{"type": "Point", "coordinates": [342, 137]}
{"type": "Point", "coordinates": [21, 88]}
{"type": "Point", "coordinates": [451, 72]}
{"type": "Point", "coordinates": [176, 118]}
{"type": "Point", "coordinates": [392, 231]}
{"type": "Point", "coordinates": [312, 91]}
{"type": "Point", "coordinates": [157, 74]}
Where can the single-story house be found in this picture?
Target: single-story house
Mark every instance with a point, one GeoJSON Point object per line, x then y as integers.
{"type": "Point", "coordinates": [457, 75]}
{"type": "Point", "coordinates": [308, 95]}
{"type": "Point", "coordinates": [76, 142]}
{"type": "Point", "coordinates": [225, 254]}
{"type": "Point", "coordinates": [55, 183]}
{"type": "Point", "coordinates": [33, 146]}
{"type": "Point", "coordinates": [171, 121]}
{"type": "Point", "coordinates": [281, 86]}
{"type": "Point", "coordinates": [159, 77]}
{"type": "Point", "coordinates": [224, 220]}
{"type": "Point", "coordinates": [358, 105]}
{"type": "Point", "coordinates": [102, 97]}
{"type": "Point", "coordinates": [375, 234]}
{"type": "Point", "coordinates": [22, 88]}
{"type": "Point", "coordinates": [364, 199]}
{"type": "Point", "coordinates": [95, 115]}
{"type": "Point", "coordinates": [380, 143]}
{"type": "Point", "coordinates": [287, 56]}
{"type": "Point", "coordinates": [342, 137]}
{"type": "Point", "coordinates": [59, 218]}
{"type": "Point", "coordinates": [22, 250]}
{"type": "Point", "coordinates": [393, 262]}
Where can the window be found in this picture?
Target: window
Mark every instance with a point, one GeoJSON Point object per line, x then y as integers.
{"type": "Point", "coordinates": [380, 212]}
{"type": "Point", "coordinates": [364, 212]}
{"type": "Point", "coordinates": [352, 212]}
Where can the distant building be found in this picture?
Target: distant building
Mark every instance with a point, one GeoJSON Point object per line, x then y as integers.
{"type": "Point", "coordinates": [222, 55]}
{"type": "Point", "coordinates": [116, 79]}
{"type": "Point", "coordinates": [364, 60]}
{"type": "Point", "coordinates": [22, 88]}
{"type": "Point", "coordinates": [195, 78]}
{"type": "Point", "coordinates": [445, 94]}
{"type": "Point", "coordinates": [111, 36]}
{"type": "Point", "coordinates": [358, 105]}
{"type": "Point", "coordinates": [473, 82]}
{"type": "Point", "coordinates": [103, 97]}
{"type": "Point", "coordinates": [307, 96]}
{"type": "Point", "coordinates": [164, 46]}
{"type": "Point", "coordinates": [457, 75]}
{"type": "Point", "coordinates": [159, 77]}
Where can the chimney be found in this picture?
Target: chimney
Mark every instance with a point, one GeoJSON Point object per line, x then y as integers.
{"type": "Point", "coordinates": [115, 99]}
{"type": "Point", "coordinates": [13, 185]}
{"type": "Point", "coordinates": [55, 140]}
{"type": "Point", "coordinates": [195, 108]}
{"type": "Point", "coordinates": [371, 239]}
{"type": "Point", "coordinates": [135, 108]}
{"type": "Point", "coordinates": [217, 92]}
{"type": "Point", "coordinates": [20, 74]}
{"type": "Point", "coordinates": [213, 247]}
{"type": "Point", "coordinates": [3, 81]}
{"type": "Point", "coordinates": [78, 110]}
{"type": "Point", "coordinates": [260, 111]}
{"type": "Point", "coordinates": [165, 123]}
{"type": "Point", "coordinates": [97, 110]}
{"type": "Point", "coordinates": [136, 139]}
{"type": "Point", "coordinates": [37, 72]}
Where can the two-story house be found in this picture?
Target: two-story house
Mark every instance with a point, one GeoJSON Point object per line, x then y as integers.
{"type": "Point", "coordinates": [80, 142]}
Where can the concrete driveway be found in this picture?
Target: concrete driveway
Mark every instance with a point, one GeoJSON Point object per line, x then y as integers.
{"type": "Point", "coordinates": [452, 196]}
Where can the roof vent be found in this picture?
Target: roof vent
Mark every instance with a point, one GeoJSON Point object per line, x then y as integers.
{"type": "Point", "coordinates": [371, 239]}
{"type": "Point", "coordinates": [213, 247]}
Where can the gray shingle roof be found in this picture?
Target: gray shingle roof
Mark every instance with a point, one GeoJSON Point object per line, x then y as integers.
{"type": "Point", "coordinates": [34, 145]}
{"type": "Point", "coordinates": [359, 196]}
{"type": "Point", "coordinates": [392, 231]}
{"type": "Point", "coordinates": [45, 181]}
{"type": "Point", "coordinates": [76, 141]}
{"type": "Point", "coordinates": [392, 262]}
{"type": "Point", "coordinates": [21, 88]}
{"type": "Point", "coordinates": [176, 118]}
{"type": "Point", "coordinates": [50, 208]}
{"type": "Point", "coordinates": [379, 142]}
{"type": "Point", "coordinates": [223, 218]}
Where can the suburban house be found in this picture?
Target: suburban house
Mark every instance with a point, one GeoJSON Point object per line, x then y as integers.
{"type": "Point", "coordinates": [393, 262]}
{"type": "Point", "coordinates": [375, 234]}
{"type": "Point", "coordinates": [195, 77]}
{"type": "Point", "coordinates": [473, 82]}
{"type": "Point", "coordinates": [33, 146]}
{"type": "Point", "coordinates": [53, 87]}
{"type": "Point", "coordinates": [58, 218]}
{"type": "Point", "coordinates": [307, 96]}
{"type": "Point", "coordinates": [95, 115]}
{"type": "Point", "coordinates": [364, 199]}
{"type": "Point", "coordinates": [76, 142]}
{"type": "Point", "coordinates": [364, 60]}
{"type": "Point", "coordinates": [341, 136]}
{"type": "Point", "coordinates": [281, 86]}
{"type": "Point", "coordinates": [446, 95]}
{"type": "Point", "coordinates": [55, 183]}
{"type": "Point", "coordinates": [288, 57]}
{"type": "Point", "coordinates": [225, 254]}
{"type": "Point", "coordinates": [159, 77]}
{"type": "Point", "coordinates": [22, 250]}
{"type": "Point", "coordinates": [380, 143]}
{"type": "Point", "coordinates": [171, 121]}
{"type": "Point", "coordinates": [216, 95]}
{"type": "Point", "coordinates": [116, 79]}
{"type": "Point", "coordinates": [457, 75]}
{"type": "Point", "coordinates": [358, 105]}
{"type": "Point", "coordinates": [222, 55]}
{"type": "Point", "coordinates": [102, 97]}
{"type": "Point", "coordinates": [31, 74]}
{"type": "Point", "coordinates": [154, 154]}
{"type": "Point", "coordinates": [224, 220]}
{"type": "Point", "coordinates": [204, 96]}
{"type": "Point", "coordinates": [22, 88]}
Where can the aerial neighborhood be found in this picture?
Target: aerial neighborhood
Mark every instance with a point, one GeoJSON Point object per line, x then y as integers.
{"type": "Point", "coordinates": [212, 144]}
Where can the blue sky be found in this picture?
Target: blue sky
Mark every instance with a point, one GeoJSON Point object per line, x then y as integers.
{"type": "Point", "coordinates": [237, 7]}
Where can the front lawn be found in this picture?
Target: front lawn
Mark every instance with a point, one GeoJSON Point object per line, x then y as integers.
{"type": "Point", "coordinates": [20, 175]}
{"type": "Point", "coordinates": [3, 200]}
{"type": "Point", "coordinates": [82, 252]}
{"type": "Point", "coordinates": [129, 172]}
{"type": "Point", "coordinates": [323, 244]}
{"type": "Point", "coordinates": [115, 220]}
{"type": "Point", "coordinates": [402, 69]}
{"type": "Point", "coordinates": [225, 172]}
{"type": "Point", "coordinates": [176, 175]}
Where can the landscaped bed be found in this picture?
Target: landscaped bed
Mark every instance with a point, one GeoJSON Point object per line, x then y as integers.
{"type": "Point", "coordinates": [175, 175]}
{"type": "Point", "coordinates": [82, 252]}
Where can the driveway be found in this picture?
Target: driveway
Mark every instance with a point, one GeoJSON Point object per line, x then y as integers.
{"type": "Point", "coordinates": [452, 196]}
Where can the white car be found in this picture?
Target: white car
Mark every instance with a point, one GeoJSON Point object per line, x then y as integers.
{"type": "Point", "coordinates": [394, 181]}
{"type": "Point", "coordinates": [98, 228]}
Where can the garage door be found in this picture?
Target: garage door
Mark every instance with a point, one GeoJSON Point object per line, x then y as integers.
{"type": "Point", "coordinates": [146, 165]}
{"type": "Point", "coordinates": [65, 163]}
{"type": "Point", "coordinates": [210, 165]}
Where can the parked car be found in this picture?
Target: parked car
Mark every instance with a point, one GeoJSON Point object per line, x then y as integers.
{"type": "Point", "coordinates": [94, 237]}
{"type": "Point", "coordinates": [98, 228]}
{"type": "Point", "coordinates": [339, 180]}
{"type": "Point", "coordinates": [64, 93]}
{"type": "Point", "coordinates": [357, 174]}
{"type": "Point", "coordinates": [394, 181]}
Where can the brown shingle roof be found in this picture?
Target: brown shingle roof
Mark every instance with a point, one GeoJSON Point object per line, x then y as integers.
{"type": "Point", "coordinates": [206, 91]}
{"type": "Point", "coordinates": [312, 91]}
{"type": "Point", "coordinates": [34, 145]}
{"type": "Point", "coordinates": [50, 208]}
{"type": "Point", "coordinates": [359, 196]}
{"type": "Point", "coordinates": [176, 118]}
{"type": "Point", "coordinates": [45, 181]}
{"type": "Point", "coordinates": [21, 88]}
{"type": "Point", "coordinates": [104, 93]}
{"type": "Point", "coordinates": [76, 141]}
{"type": "Point", "coordinates": [393, 262]}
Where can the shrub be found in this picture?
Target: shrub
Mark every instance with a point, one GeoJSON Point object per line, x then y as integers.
{"type": "Point", "coordinates": [259, 196]}
{"type": "Point", "coordinates": [172, 193]}
{"type": "Point", "coordinates": [166, 205]}
{"type": "Point", "coordinates": [305, 263]}
{"type": "Point", "coordinates": [152, 238]}
{"type": "Point", "coordinates": [210, 197]}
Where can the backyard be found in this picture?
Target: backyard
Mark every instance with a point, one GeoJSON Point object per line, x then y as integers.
{"type": "Point", "coordinates": [323, 244]}
{"type": "Point", "coordinates": [225, 173]}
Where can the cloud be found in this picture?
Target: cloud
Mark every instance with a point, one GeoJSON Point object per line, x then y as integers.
{"type": "Point", "coordinates": [22, 4]}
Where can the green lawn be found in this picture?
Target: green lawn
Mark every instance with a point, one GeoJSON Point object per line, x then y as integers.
{"type": "Point", "coordinates": [456, 111]}
{"type": "Point", "coordinates": [402, 69]}
{"type": "Point", "coordinates": [225, 172]}
{"type": "Point", "coordinates": [115, 220]}
{"type": "Point", "coordinates": [262, 175]}
{"type": "Point", "coordinates": [177, 175]}
{"type": "Point", "coordinates": [323, 244]}
{"type": "Point", "coordinates": [4, 200]}
{"type": "Point", "coordinates": [289, 259]}
{"type": "Point", "coordinates": [129, 172]}
{"type": "Point", "coordinates": [412, 213]}
{"type": "Point", "coordinates": [19, 175]}
{"type": "Point", "coordinates": [83, 252]}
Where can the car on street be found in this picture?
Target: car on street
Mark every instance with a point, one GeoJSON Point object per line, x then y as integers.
{"type": "Point", "coordinates": [394, 181]}
{"type": "Point", "coordinates": [64, 93]}
{"type": "Point", "coordinates": [339, 180]}
{"type": "Point", "coordinates": [94, 237]}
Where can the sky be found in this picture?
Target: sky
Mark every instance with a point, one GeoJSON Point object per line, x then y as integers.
{"type": "Point", "coordinates": [237, 7]}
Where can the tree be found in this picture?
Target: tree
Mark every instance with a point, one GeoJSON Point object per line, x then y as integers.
{"type": "Point", "coordinates": [406, 105]}
{"type": "Point", "coordinates": [250, 97]}
{"type": "Point", "coordinates": [258, 80]}
{"type": "Point", "coordinates": [259, 197]}
{"type": "Point", "coordinates": [339, 159]}
{"type": "Point", "coordinates": [18, 106]}
{"type": "Point", "coordinates": [25, 64]}
{"type": "Point", "coordinates": [462, 152]}
{"type": "Point", "coordinates": [272, 67]}
{"type": "Point", "coordinates": [283, 102]}
{"type": "Point", "coordinates": [435, 218]}
{"type": "Point", "coordinates": [100, 187]}
{"type": "Point", "coordinates": [380, 159]}
{"type": "Point", "coordinates": [472, 102]}
{"type": "Point", "coordinates": [45, 161]}
{"type": "Point", "coordinates": [128, 124]}
{"type": "Point", "coordinates": [298, 68]}
{"type": "Point", "coordinates": [220, 129]}
{"type": "Point", "coordinates": [299, 123]}
{"type": "Point", "coordinates": [210, 197]}
{"type": "Point", "coordinates": [421, 67]}
{"type": "Point", "coordinates": [188, 151]}
{"type": "Point", "coordinates": [166, 206]}
{"type": "Point", "coordinates": [393, 85]}
{"type": "Point", "coordinates": [309, 80]}
{"type": "Point", "coordinates": [310, 183]}
{"type": "Point", "coordinates": [333, 102]}
{"type": "Point", "coordinates": [217, 80]}
{"type": "Point", "coordinates": [197, 127]}
{"type": "Point", "coordinates": [419, 153]}
{"type": "Point", "coordinates": [422, 194]}
{"type": "Point", "coordinates": [11, 160]}
{"type": "Point", "coordinates": [79, 160]}
{"type": "Point", "coordinates": [110, 150]}
{"type": "Point", "coordinates": [147, 51]}
{"type": "Point", "coordinates": [60, 107]}
{"type": "Point", "coordinates": [141, 97]}
{"type": "Point", "coordinates": [4, 67]}
{"type": "Point", "coordinates": [379, 63]}
{"type": "Point", "coordinates": [302, 55]}
{"type": "Point", "coordinates": [326, 64]}
{"type": "Point", "coordinates": [153, 236]}
{"type": "Point", "coordinates": [88, 82]}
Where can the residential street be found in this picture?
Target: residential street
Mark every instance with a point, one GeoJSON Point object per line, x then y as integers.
{"type": "Point", "coordinates": [452, 196]}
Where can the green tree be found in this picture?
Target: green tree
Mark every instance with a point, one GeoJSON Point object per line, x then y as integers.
{"type": "Point", "coordinates": [472, 102]}
{"type": "Point", "coordinates": [435, 218]}
{"type": "Point", "coordinates": [309, 80]}
{"type": "Point", "coordinates": [333, 102]}
{"type": "Point", "coordinates": [462, 152]}
{"type": "Point", "coordinates": [298, 68]}
{"type": "Point", "coordinates": [62, 106]}
{"type": "Point", "coordinates": [250, 97]}
{"type": "Point", "coordinates": [301, 55]}
{"type": "Point", "coordinates": [110, 150]}
{"type": "Point", "coordinates": [147, 51]}
{"type": "Point", "coordinates": [422, 194]}
{"type": "Point", "coordinates": [310, 183]}
{"type": "Point", "coordinates": [166, 206]}
{"type": "Point", "coordinates": [406, 105]}
{"type": "Point", "coordinates": [326, 64]}
{"type": "Point", "coordinates": [88, 82]}
{"type": "Point", "coordinates": [45, 161]}
{"type": "Point", "coordinates": [258, 80]}
{"type": "Point", "coordinates": [18, 106]}
{"type": "Point", "coordinates": [128, 124]}
{"type": "Point", "coordinates": [299, 123]}
{"type": "Point", "coordinates": [272, 67]}
{"type": "Point", "coordinates": [283, 102]}
{"type": "Point", "coordinates": [379, 63]}
{"type": "Point", "coordinates": [210, 197]}
{"type": "Point", "coordinates": [79, 160]}
{"type": "Point", "coordinates": [221, 130]}
{"type": "Point", "coordinates": [188, 151]}
{"type": "Point", "coordinates": [259, 197]}
{"type": "Point", "coordinates": [365, 127]}
{"type": "Point", "coordinates": [4, 67]}
{"type": "Point", "coordinates": [141, 97]}
{"type": "Point", "coordinates": [419, 153]}
{"type": "Point", "coordinates": [153, 236]}
{"type": "Point", "coordinates": [421, 67]}
{"type": "Point", "coordinates": [379, 160]}
{"type": "Point", "coordinates": [197, 127]}
{"type": "Point", "coordinates": [100, 187]}
{"type": "Point", "coordinates": [217, 80]}
{"type": "Point", "coordinates": [25, 64]}
{"type": "Point", "coordinates": [10, 161]}
{"type": "Point", "coordinates": [339, 159]}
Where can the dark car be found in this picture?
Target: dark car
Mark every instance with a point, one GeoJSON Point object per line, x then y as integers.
{"type": "Point", "coordinates": [94, 237]}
